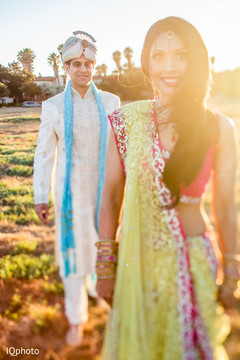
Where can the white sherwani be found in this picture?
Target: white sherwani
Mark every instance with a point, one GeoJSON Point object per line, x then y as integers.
{"type": "Point", "coordinates": [84, 182]}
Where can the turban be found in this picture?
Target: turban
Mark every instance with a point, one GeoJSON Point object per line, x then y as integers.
{"type": "Point", "coordinates": [78, 44]}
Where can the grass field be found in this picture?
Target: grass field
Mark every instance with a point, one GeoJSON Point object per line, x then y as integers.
{"type": "Point", "coordinates": [31, 300]}
{"type": "Point", "coordinates": [31, 293]}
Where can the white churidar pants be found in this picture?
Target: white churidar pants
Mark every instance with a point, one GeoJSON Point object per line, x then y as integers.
{"type": "Point", "coordinates": [76, 290]}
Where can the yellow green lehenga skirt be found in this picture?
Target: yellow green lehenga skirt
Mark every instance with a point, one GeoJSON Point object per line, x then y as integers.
{"type": "Point", "coordinates": [165, 304]}
{"type": "Point", "coordinates": [144, 323]}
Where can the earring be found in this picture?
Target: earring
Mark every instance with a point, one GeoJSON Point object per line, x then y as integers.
{"type": "Point", "coordinates": [155, 94]}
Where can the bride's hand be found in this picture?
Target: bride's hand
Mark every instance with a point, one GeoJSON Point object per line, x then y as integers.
{"type": "Point", "coordinates": [105, 289]}
{"type": "Point", "coordinates": [226, 296]}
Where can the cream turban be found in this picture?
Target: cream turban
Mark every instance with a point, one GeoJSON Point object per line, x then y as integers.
{"type": "Point", "coordinates": [78, 44]}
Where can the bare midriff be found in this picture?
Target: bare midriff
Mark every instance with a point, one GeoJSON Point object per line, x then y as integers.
{"type": "Point", "coordinates": [194, 219]}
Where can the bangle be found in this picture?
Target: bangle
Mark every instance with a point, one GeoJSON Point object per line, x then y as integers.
{"type": "Point", "coordinates": [107, 246]}
{"type": "Point", "coordinates": [106, 276]}
{"type": "Point", "coordinates": [106, 264]}
{"type": "Point", "coordinates": [231, 257]}
{"type": "Point", "coordinates": [106, 269]}
{"type": "Point", "coordinates": [106, 258]}
{"type": "Point", "coordinates": [106, 242]}
{"type": "Point", "coordinates": [107, 249]}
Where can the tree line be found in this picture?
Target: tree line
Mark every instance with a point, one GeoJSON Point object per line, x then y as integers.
{"type": "Point", "coordinates": [17, 79]}
{"type": "Point", "coordinates": [127, 80]}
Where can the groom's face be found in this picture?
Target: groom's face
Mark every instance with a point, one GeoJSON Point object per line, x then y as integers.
{"type": "Point", "coordinates": [81, 72]}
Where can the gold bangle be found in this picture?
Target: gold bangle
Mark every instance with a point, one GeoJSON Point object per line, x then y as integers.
{"type": "Point", "coordinates": [106, 276]}
{"type": "Point", "coordinates": [105, 241]}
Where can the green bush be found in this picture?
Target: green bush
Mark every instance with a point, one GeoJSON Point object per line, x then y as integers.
{"type": "Point", "coordinates": [20, 216]}
{"type": "Point", "coordinates": [2, 159]}
{"type": "Point", "coordinates": [7, 151]}
{"type": "Point", "coordinates": [15, 308]}
{"type": "Point", "coordinates": [24, 200]}
{"type": "Point", "coordinates": [53, 287]}
{"type": "Point", "coordinates": [20, 190]}
{"type": "Point", "coordinates": [24, 246]}
{"type": "Point", "coordinates": [43, 316]}
{"type": "Point", "coordinates": [18, 204]}
{"type": "Point", "coordinates": [16, 210]}
{"type": "Point", "coordinates": [19, 170]}
{"type": "Point", "coordinates": [26, 266]}
{"type": "Point", "coordinates": [26, 160]}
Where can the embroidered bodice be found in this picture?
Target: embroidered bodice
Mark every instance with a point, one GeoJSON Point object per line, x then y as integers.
{"type": "Point", "coordinates": [191, 194]}
{"type": "Point", "coordinates": [196, 190]}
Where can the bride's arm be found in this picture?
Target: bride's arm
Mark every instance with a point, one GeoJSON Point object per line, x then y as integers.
{"type": "Point", "coordinates": [111, 202]}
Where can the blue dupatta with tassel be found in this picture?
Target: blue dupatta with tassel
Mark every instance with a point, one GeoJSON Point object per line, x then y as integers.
{"type": "Point", "coordinates": [67, 234]}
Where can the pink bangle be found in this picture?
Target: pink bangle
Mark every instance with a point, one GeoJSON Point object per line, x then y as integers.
{"type": "Point", "coordinates": [106, 258]}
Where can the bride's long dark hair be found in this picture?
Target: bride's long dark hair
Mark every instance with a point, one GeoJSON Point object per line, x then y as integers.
{"type": "Point", "coordinates": [195, 124]}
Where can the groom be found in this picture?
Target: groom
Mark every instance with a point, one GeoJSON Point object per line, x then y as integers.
{"type": "Point", "coordinates": [71, 150]}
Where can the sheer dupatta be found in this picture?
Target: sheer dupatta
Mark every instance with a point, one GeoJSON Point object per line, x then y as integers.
{"type": "Point", "coordinates": [156, 314]}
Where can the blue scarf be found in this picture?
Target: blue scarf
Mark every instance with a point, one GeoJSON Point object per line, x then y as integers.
{"type": "Point", "coordinates": [67, 235]}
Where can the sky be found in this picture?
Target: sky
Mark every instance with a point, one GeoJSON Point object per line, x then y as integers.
{"type": "Point", "coordinates": [43, 25]}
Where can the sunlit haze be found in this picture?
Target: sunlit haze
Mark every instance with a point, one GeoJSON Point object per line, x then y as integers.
{"type": "Point", "coordinates": [43, 25]}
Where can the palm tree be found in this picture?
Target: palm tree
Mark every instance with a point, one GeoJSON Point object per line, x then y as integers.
{"type": "Point", "coordinates": [101, 70]}
{"type": "Point", "coordinates": [59, 48]}
{"type": "Point", "coordinates": [104, 69]}
{"type": "Point", "coordinates": [14, 67]}
{"type": "Point", "coordinates": [98, 70]}
{"type": "Point", "coordinates": [128, 55]}
{"type": "Point", "coordinates": [54, 61]}
{"type": "Point", "coordinates": [117, 59]}
{"type": "Point", "coordinates": [26, 58]}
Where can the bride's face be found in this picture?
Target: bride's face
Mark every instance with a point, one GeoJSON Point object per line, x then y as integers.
{"type": "Point", "coordinates": [167, 64]}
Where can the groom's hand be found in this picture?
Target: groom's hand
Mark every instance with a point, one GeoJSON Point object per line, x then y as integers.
{"type": "Point", "coordinates": [42, 212]}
